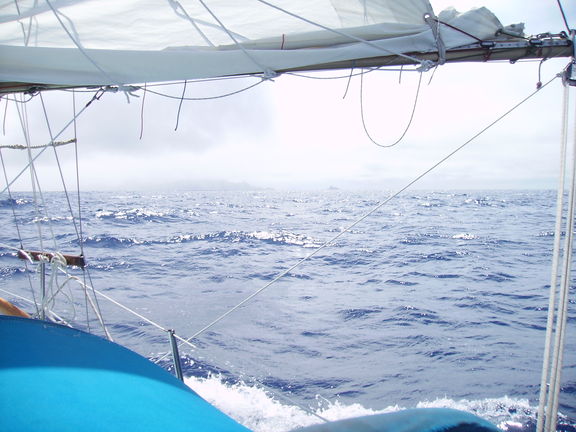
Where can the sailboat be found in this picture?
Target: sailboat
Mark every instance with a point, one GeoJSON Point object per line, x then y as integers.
{"type": "Point", "coordinates": [55, 377]}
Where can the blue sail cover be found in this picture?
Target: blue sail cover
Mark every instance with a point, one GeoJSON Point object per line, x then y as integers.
{"type": "Point", "coordinates": [56, 379]}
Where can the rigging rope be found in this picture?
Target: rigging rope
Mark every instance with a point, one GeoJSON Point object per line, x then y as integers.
{"type": "Point", "coordinates": [142, 111]}
{"type": "Point", "coordinates": [563, 16]}
{"type": "Point", "coordinates": [349, 80]}
{"type": "Point", "coordinates": [24, 123]}
{"type": "Point", "coordinates": [52, 313]}
{"type": "Point", "coordinates": [266, 71]}
{"type": "Point", "coordinates": [374, 69]}
{"type": "Point", "coordinates": [559, 342]}
{"type": "Point", "coordinates": [556, 331]}
{"type": "Point", "coordinates": [204, 98]}
{"type": "Point", "coordinates": [80, 224]}
{"type": "Point", "coordinates": [44, 148]}
{"type": "Point", "coordinates": [409, 121]}
{"type": "Point", "coordinates": [46, 299]}
{"type": "Point", "coordinates": [555, 260]}
{"type": "Point", "coordinates": [13, 207]}
{"type": "Point", "coordinates": [4, 118]}
{"type": "Point", "coordinates": [50, 144]}
{"type": "Point", "coordinates": [431, 18]}
{"type": "Point", "coordinates": [58, 264]}
{"type": "Point", "coordinates": [180, 105]}
{"type": "Point", "coordinates": [13, 99]}
{"type": "Point", "coordinates": [25, 34]}
{"type": "Point", "coordinates": [36, 191]}
{"type": "Point", "coordinates": [12, 201]}
{"type": "Point", "coordinates": [425, 64]}
{"type": "Point", "coordinates": [60, 170]}
{"type": "Point", "coordinates": [77, 165]}
{"type": "Point", "coordinates": [126, 308]}
{"type": "Point", "coordinates": [80, 47]}
{"type": "Point", "coordinates": [54, 287]}
{"type": "Point", "coordinates": [184, 14]}
{"type": "Point", "coordinates": [202, 80]}
{"type": "Point", "coordinates": [79, 231]}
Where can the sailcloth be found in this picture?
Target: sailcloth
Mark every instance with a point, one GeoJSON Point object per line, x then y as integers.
{"type": "Point", "coordinates": [111, 42]}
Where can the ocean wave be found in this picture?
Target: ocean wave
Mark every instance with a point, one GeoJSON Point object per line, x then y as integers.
{"type": "Point", "coordinates": [486, 202]}
{"type": "Point", "coordinates": [547, 234]}
{"type": "Point", "coordinates": [499, 277]}
{"type": "Point", "coordinates": [401, 282]}
{"type": "Point", "coordinates": [284, 237]}
{"type": "Point", "coordinates": [446, 255]}
{"type": "Point", "coordinates": [350, 314]}
{"type": "Point", "coordinates": [231, 237]}
{"type": "Point", "coordinates": [431, 204]}
{"type": "Point", "coordinates": [7, 252]}
{"type": "Point", "coordinates": [140, 331]}
{"type": "Point", "coordinates": [46, 219]}
{"type": "Point", "coordinates": [11, 271]}
{"type": "Point", "coordinates": [11, 202]}
{"type": "Point", "coordinates": [106, 241]}
{"type": "Point", "coordinates": [464, 236]}
{"type": "Point", "coordinates": [412, 315]}
{"type": "Point", "coordinates": [420, 238]}
{"type": "Point", "coordinates": [135, 215]}
{"type": "Point", "coordinates": [270, 237]}
{"type": "Point", "coordinates": [109, 267]}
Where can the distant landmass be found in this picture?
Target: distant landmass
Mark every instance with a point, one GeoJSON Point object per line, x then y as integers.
{"type": "Point", "coordinates": [209, 185]}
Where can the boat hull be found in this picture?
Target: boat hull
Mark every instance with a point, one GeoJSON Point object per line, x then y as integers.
{"type": "Point", "coordinates": [55, 378]}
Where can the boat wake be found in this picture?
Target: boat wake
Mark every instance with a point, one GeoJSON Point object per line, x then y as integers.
{"type": "Point", "coordinates": [260, 411]}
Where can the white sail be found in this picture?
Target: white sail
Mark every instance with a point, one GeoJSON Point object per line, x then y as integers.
{"type": "Point", "coordinates": [101, 42]}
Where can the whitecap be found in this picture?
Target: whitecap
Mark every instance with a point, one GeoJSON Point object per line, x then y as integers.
{"type": "Point", "coordinates": [464, 236]}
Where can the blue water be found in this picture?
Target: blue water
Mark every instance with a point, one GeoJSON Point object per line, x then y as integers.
{"type": "Point", "coordinates": [437, 299]}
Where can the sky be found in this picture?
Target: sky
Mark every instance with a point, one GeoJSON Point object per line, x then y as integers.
{"type": "Point", "coordinates": [303, 133]}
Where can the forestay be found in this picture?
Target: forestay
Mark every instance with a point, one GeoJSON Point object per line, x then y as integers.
{"type": "Point", "coordinates": [110, 42]}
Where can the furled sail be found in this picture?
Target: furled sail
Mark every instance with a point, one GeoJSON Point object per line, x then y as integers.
{"type": "Point", "coordinates": [110, 42]}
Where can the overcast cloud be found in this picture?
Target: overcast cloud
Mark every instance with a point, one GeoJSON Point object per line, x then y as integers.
{"type": "Point", "coordinates": [301, 133]}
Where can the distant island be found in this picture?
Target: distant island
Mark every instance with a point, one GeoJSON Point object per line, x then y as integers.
{"type": "Point", "coordinates": [208, 185]}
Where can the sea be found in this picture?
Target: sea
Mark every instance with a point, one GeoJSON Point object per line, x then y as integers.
{"type": "Point", "coordinates": [436, 299]}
